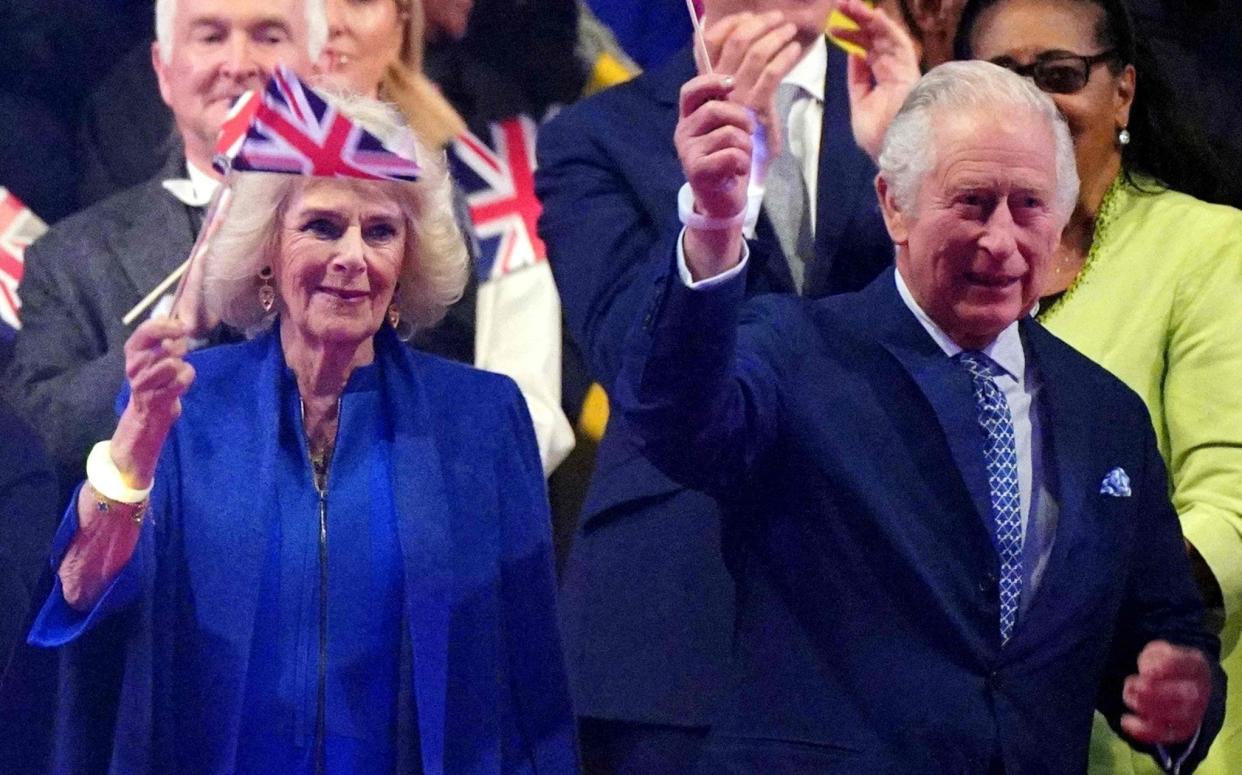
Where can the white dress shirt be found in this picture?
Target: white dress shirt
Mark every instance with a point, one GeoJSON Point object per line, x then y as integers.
{"type": "Point", "coordinates": [195, 190]}
{"type": "Point", "coordinates": [1020, 382]}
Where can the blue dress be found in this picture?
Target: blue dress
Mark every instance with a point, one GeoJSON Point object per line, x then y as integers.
{"type": "Point", "coordinates": [440, 651]}
{"type": "Point", "coordinates": [355, 639]}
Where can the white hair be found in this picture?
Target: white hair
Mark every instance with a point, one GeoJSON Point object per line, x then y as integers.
{"type": "Point", "coordinates": [908, 151]}
{"type": "Point", "coordinates": [435, 266]}
{"type": "Point", "coordinates": [316, 27]}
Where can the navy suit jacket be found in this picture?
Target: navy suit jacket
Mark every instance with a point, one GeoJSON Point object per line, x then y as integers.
{"type": "Point", "coordinates": [646, 601]}
{"type": "Point", "coordinates": [847, 446]}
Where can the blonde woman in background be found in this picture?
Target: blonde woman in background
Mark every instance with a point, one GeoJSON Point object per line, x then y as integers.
{"type": "Point", "coordinates": [375, 48]}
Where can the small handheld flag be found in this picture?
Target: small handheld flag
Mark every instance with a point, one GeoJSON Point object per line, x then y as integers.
{"type": "Point", "coordinates": [288, 128]}
{"type": "Point", "coordinates": [291, 128]}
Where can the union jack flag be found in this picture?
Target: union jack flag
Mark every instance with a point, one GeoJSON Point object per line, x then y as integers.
{"type": "Point", "coordinates": [499, 182]}
{"type": "Point", "coordinates": [18, 228]}
{"type": "Point", "coordinates": [292, 129]}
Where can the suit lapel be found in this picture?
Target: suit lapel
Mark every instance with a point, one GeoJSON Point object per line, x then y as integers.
{"type": "Point", "coordinates": [845, 178]}
{"type": "Point", "coordinates": [420, 500]}
{"type": "Point", "coordinates": [768, 269]}
{"type": "Point", "coordinates": [945, 385]}
{"type": "Point", "coordinates": [1067, 450]}
{"type": "Point", "coordinates": [159, 237]}
{"type": "Point", "coordinates": [664, 83]}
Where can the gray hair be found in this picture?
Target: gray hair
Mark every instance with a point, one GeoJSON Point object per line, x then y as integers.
{"type": "Point", "coordinates": [435, 266]}
{"type": "Point", "coordinates": [316, 27]}
{"type": "Point", "coordinates": [908, 151]}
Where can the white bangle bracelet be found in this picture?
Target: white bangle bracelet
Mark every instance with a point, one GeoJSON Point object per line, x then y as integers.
{"type": "Point", "coordinates": [693, 220]}
{"type": "Point", "coordinates": [105, 478]}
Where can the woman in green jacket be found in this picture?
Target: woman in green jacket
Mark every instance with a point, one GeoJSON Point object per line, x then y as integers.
{"type": "Point", "coordinates": [1147, 281]}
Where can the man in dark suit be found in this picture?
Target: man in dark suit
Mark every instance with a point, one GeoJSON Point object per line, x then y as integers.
{"type": "Point", "coordinates": [951, 533]}
{"type": "Point", "coordinates": [86, 272]}
{"type": "Point", "coordinates": [647, 605]}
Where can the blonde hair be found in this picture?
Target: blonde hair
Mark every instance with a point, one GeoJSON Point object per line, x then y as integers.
{"type": "Point", "coordinates": [433, 271]}
{"type": "Point", "coordinates": [428, 113]}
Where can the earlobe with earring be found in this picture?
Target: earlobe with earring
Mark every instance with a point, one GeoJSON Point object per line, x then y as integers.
{"type": "Point", "coordinates": [394, 313]}
{"type": "Point", "coordinates": [267, 294]}
{"type": "Point", "coordinates": [1123, 137]}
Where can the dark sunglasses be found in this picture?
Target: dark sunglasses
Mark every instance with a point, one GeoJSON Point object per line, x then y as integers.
{"type": "Point", "coordinates": [1061, 73]}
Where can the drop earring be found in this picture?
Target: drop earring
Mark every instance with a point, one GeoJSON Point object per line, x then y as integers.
{"type": "Point", "coordinates": [1123, 137]}
{"type": "Point", "coordinates": [394, 314]}
{"type": "Point", "coordinates": [267, 294]}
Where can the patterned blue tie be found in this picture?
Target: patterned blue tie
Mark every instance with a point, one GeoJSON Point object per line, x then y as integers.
{"type": "Point", "coordinates": [1001, 457]}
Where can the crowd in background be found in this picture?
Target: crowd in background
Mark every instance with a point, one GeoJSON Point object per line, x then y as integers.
{"type": "Point", "coordinates": [95, 144]}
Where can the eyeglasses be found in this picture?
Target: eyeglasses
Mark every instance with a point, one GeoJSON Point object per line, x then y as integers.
{"type": "Point", "coordinates": [1059, 73]}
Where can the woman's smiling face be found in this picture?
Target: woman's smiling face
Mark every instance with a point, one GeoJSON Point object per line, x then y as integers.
{"type": "Point", "coordinates": [341, 248]}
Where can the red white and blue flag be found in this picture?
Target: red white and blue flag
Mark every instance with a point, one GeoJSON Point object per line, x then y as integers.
{"type": "Point", "coordinates": [18, 228]}
{"type": "Point", "coordinates": [290, 128]}
{"type": "Point", "coordinates": [499, 182]}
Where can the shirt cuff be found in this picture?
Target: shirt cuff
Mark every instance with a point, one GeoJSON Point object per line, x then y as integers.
{"type": "Point", "coordinates": [708, 282]}
{"type": "Point", "coordinates": [1171, 765]}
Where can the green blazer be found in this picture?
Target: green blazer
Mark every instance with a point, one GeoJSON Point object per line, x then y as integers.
{"type": "Point", "coordinates": [1159, 304]}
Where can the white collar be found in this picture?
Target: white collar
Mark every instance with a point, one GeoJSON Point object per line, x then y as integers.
{"type": "Point", "coordinates": [195, 190]}
{"type": "Point", "coordinates": [810, 70]}
{"type": "Point", "coordinates": [1005, 350]}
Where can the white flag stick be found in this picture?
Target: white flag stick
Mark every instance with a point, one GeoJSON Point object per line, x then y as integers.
{"type": "Point", "coordinates": [211, 223]}
{"type": "Point", "coordinates": [698, 35]}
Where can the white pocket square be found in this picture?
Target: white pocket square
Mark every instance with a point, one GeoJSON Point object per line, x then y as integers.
{"type": "Point", "coordinates": [1116, 484]}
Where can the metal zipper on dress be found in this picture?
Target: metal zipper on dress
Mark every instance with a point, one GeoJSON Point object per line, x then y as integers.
{"type": "Point", "coordinates": [319, 478]}
{"type": "Point", "coordinates": [321, 688]}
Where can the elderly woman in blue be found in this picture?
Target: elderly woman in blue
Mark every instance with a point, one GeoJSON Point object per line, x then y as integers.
{"type": "Point", "coordinates": [318, 550]}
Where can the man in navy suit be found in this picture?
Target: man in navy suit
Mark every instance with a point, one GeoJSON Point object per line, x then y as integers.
{"type": "Point", "coordinates": [950, 532]}
{"type": "Point", "coordinates": [647, 604]}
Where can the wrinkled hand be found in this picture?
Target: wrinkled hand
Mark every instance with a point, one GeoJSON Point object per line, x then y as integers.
{"type": "Point", "coordinates": [879, 81]}
{"type": "Point", "coordinates": [158, 376]}
{"type": "Point", "coordinates": [713, 141]}
{"type": "Point", "coordinates": [156, 369]}
{"type": "Point", "coordinates": [758, 50]}
{"type": "Point", "coordinates": [1168, 696]}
